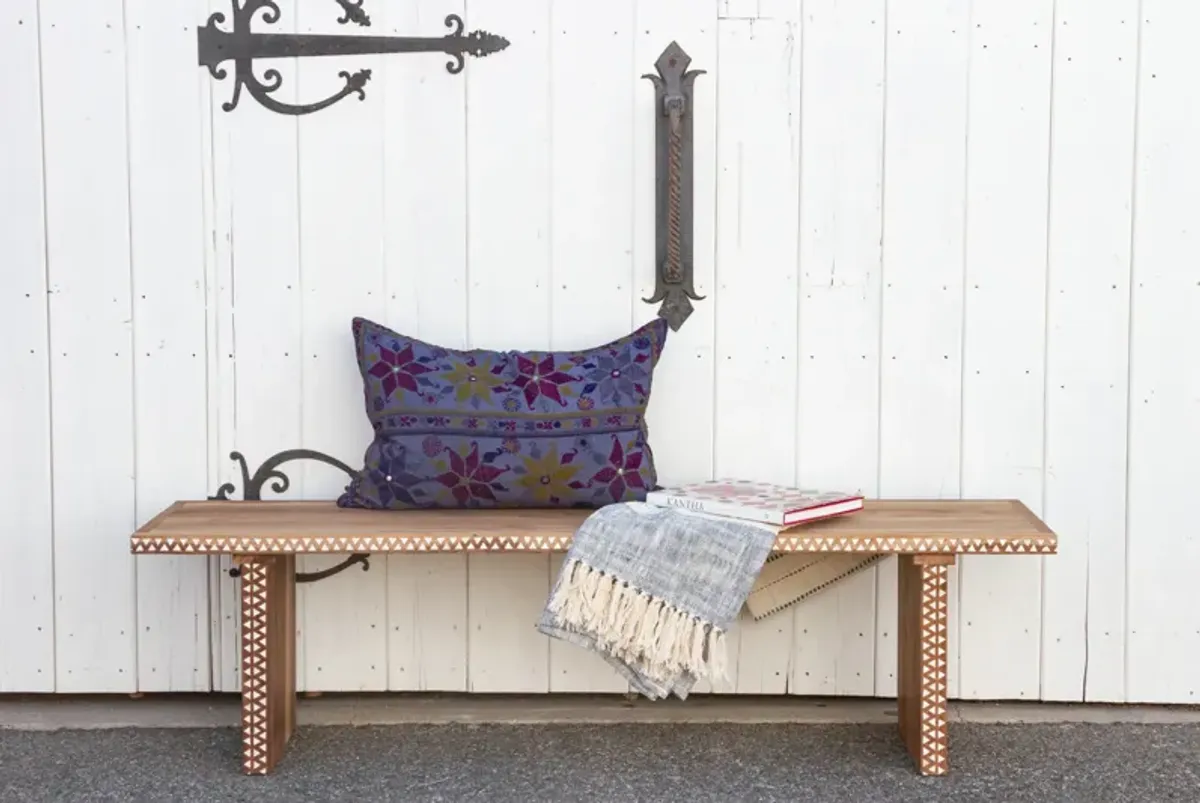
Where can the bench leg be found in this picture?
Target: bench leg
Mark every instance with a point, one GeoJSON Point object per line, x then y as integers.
{"type": "Point", "coordinates": [268, 660]}
{"type": "Point", "coordinates": [921, 678]}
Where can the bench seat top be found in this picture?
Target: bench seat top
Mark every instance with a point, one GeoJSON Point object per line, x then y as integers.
{"type": "Point", "coordinates": [303, 527]}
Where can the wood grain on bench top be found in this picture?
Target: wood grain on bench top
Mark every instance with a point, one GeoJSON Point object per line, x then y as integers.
{"type": "Point", "coordinates": [284, 527]}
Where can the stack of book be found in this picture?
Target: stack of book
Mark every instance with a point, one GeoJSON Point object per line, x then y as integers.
{"type": "Point", "coordinates": [786, 577]}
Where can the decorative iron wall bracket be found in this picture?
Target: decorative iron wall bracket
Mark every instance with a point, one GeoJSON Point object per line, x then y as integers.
{"type": "Point", "coordinates": [252, 487]}
{"type": "Point", "coordinates": [673, 104]}
{"type": "Point", "coordinates": [312, 577]}
{"type": "Point", "coordinates": [244, 46]}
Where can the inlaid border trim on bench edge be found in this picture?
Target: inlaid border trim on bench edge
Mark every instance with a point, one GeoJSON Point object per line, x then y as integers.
{"type": "Point", "coordinates": [158, 544]}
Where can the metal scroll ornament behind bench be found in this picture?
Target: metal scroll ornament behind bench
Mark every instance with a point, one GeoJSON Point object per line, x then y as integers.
{"type": "Point", "coordinates": [244, 47]}
{"type": "Point", "coordinates": [252, 487]}
{"type": "Point", "coordinates": [673, 185]}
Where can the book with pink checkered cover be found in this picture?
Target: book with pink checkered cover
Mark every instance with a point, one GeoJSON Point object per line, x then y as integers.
{"type": "Point", "coordinates": [762, 502]}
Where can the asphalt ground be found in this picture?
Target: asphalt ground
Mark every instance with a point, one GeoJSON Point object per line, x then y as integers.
{"type": "Point", "coordinates": [691, 762]}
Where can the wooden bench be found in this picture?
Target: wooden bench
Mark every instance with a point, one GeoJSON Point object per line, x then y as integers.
{"type": "Point", "coordinates": [265, 537]}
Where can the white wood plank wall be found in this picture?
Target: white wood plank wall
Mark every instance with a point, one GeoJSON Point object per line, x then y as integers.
{"type": "Point", "coordinates": [947, 249]}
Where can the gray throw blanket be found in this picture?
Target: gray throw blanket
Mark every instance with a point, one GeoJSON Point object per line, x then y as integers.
{"type": "Point", "coordinates": [653, 591]}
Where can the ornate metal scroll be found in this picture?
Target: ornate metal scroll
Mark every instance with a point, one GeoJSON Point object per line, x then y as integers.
{"type": "Point", "coordinates": [353, 12]}
{"type": "Point", "coordinates": [252, 487]}
{"type": "Point", "coordinates": [243, 46]}
{"type": "Point", "coordinates": [673, 185]}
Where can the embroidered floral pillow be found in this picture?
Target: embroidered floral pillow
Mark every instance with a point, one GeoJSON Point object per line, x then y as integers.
{"type": "Point", "coordinates": [480, 428]}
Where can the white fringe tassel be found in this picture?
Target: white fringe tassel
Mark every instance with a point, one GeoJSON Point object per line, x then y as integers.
{"type": "Point", "coordinates": [643, 630]}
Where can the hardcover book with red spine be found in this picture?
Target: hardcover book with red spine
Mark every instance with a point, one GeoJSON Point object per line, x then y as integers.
{"type": "Point", "coordinates": [762, 502]}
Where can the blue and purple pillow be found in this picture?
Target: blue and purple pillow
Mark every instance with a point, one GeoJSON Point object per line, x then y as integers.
{"type": "Point", "coordinates": [484, 429]}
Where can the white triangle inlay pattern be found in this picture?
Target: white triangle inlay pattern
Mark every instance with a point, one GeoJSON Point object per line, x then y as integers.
{"type": "Point", "coordinates": [150, 544]}
{"type": "Point", "coordinates": [255, 746]}
{"type": "Point", "coordinates": [934, 748]}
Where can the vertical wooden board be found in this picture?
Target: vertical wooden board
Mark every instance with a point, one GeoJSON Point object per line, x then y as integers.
{"type": "Point", "coordinates": [841, 196]}
{"type": "Point", "coordinates": [816, 638]}
{"type": "Point", "coordinates": [427, 620]}
{"type": "Point", "coordinates": [225, 630]}
{"type": "Point", "coordinates": [166, 108]}
{"type": "Point", "coordinates": [26, 530]}
{"type": "Point", "coordinates": [1091, 188]}
{"type": "Point", "coordinates": [341, 201]}
{"type": "Point", "coordinates": [591, 234]}
{"type": "Point", "coordinates": [680, 415]}
{"type": "Point", "coordinates": [425, 178]}
{"type": "Point", "coordinates": [922, 300]}
{"type": "Point", "coordinates": [505, 597]}
{"type": "Point", "coordinates": [354, 599]}
{"type": "Point", "coordinates": [226, 625]}
{"type": "Point", "coordinates": [224, 592]}
{"type": "Point", "coordinates": [758, 188]}
{"type": "Point", "coordinates": [1164, 428]}
{"type": "Point", "coordinates": [856, 603]}
{"type": "Point", "coordinates": [257, 185]}
{"type": "Point", "coordinates": [923, 216]}
{"type": "Point", "coordinates": [887, 620]}
{"type": "Point", "coordinates": [1004, 342]}
{"type": "Point", "coordinates": [508, 180]}
{"type": "Point", "coordinates": [224, 610]}
{"type": "Point", "coordinates": [256, 192]}
{"type": "Point", "coordinates": [508, 261]}
{"type": "Point", "coordinates": [425, 257]}
{"type": "Point", "coordinates": [224, 602]}
{"type": "Point", "coordinates": [954, 638]}
{"type": "Point", "coordinates": [764, 653]}
{"type": "Point", "coordinates": [833, 659]}
{"type": "Point", "coordinates": [91, 340]}
{"type": "Point", "coordinates": [592, 95]}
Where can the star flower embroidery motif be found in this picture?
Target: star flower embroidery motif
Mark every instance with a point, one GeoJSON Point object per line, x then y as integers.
{"type": "Point", "coordinates": [397, 369]}
{"type": "Point", "coordinates": [621, 473]}
{"type": "Point", "coordinates": [541, 379]}
{"type": "Point", "coordinates": [474, 383]}
{"type": "Point", "coordinates": [547, 477]}
{"type": "Point", "coordinates": [392, 480]}
{"type": "Point", "coordinates": [617, 375]}
{"type": "Point", "coordinates": [469, 478]}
